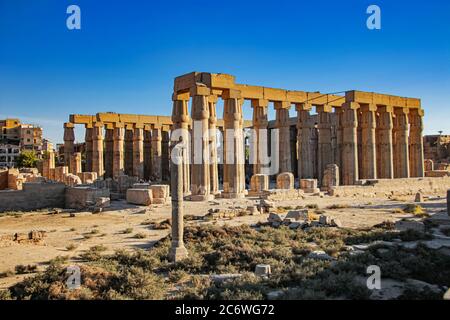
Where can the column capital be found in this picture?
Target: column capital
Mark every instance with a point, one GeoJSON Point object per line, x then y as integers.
{"type": "Point", "coordinates": [324, 108]}
{"type": "Point", "coordinates": [231, 94]}
{"type": "Point", "coordinates": [213, 98]}
{"type": "Point", "coordinates": [368, 107]}
{"type": "Point", "coordinates": [401, 110]}
{"type": "Point", "coordinates": [351, 105]}
{"type": "Point", "coordinates": [388, 109]}
{"type": "Point", "coordinates": [282, 105]}
{"type": "Point", "coordinates": [88, 126]}
{"type": "Point", "coordinates": [256, 103]}
{"type": "Point", "coordinates": [119, 125]}
{"type": "Point", "coordinates": [200, 91]}
{"type": "Point", "coordinates": [138, 126]}
{"type": "Point", "coordinates": [418, 112]}
{"type": "Point", "coordinates": [68, 125]}
{"type": "Point", "coordinates": [181, 96]}
{"type": "Point", "coordinates": [109, 126]}
{"type": "Point", "coordinates": [98, 124]}
{"type": "Point", "coordinates": [303, 107]}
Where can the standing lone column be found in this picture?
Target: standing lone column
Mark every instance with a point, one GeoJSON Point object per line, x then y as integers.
{"type": "Point", "coordinates": [416, 142]}
{"type": "Point", "coordinates": [88, 140]}
{"type": "Point", "coordinates": [368, 144]}
{"type": "Point", "coordinates": [200, 179]}
{"type": "Point", "coordinates": [385, 147]}
{"type": "Point", "coordinates": [282, 124]}
{"type": "Point", "coordinates": [118, 160]}
{"type": "Point", "coordinates": [213, 167]}
{"type": "Point", "coordinates": [181, 119]}
{"type": "Point", "coordinates": [260, 123]}
{"type": "Point", "coordinates": [147, 152]}
{"type": "Point", "coordinates": [401, 143]}
{"type": "Point", "coordinates": [233, 168]}
{"type": "Point", "coordinates": [97, 149]}
{"type": "Point", "coordinates": [138, 151]}
{"type": "Point", "coordinates": [156, 154]}
{"type": "Point", "coordinates": [177, 251]}
{"type": "Point", "coordinates": [69, 138]}
{"type": "Point", "coordinates": [350, 172]}
{"type": "Point", "coordinates": [306, 153]}
{"type": "Point", "coordinates": [324, 148]}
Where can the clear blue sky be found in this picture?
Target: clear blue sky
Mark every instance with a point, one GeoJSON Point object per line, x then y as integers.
{"type": "Point", "coordinates": [127, 53]}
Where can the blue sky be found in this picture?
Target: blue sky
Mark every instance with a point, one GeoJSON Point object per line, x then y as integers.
{"type": "Point", "coordinates": [127, 53]}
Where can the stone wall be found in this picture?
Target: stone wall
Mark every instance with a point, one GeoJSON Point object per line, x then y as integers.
{"type": "Point", "coordinates": [3, 179]}
{"type": "Point", "coordinates": [83, 196]}
{"type": "Point", "coordinates": [33, 196]}
{"type": "Point", "coordinates": [394, 187]}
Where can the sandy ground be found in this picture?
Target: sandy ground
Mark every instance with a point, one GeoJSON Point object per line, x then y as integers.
{"type": "Point", "coordinates": [63, 230]}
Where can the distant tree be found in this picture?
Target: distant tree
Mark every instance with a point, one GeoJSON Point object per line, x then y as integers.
{"type": "Point", "coordinates": [27, 159]}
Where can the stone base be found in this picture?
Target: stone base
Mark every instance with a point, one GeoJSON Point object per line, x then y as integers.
{"type": "Point", "coordinates": [283, 194]}
{"type": "Point", "coordinates": [257, 193]}
{"type": "Point", "coordinates": [312, 190]}
{"type": "Point", "coordinates": [201, 197]}
{"type": "Point", "coordinates": [233, 195]}
{"type": "Point", "coordinates": [177, 254]}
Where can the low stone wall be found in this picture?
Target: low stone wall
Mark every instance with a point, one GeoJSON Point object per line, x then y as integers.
{"type": "Point", "coordinates": [33, 196]}
{"type": "Point", "coordinates": [394, 187]}
{"type": "Point", "coordinates": [84, 196]}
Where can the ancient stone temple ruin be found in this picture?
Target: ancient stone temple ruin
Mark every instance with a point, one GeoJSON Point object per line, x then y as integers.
{"type": "Point", "coordinates": [356, 135]}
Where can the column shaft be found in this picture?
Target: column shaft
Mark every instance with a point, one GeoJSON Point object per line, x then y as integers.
{"type": "Point", "coordinates": [401, 143]}
{"type": "Point", "coordinates": [233, 169]}
{"type": "Point", "coordinates": [109, 151]}
{"type": "Point", "coordinates": [282, 124]}
{"type": "Point", "coordinates": [165, 156]}
{"type": "Point", "coordinates": [324, 148]}
{"type": "Point", "coordinates": [350, 172]}
{"type": "Point", "coordinates": [138, 152]}
{"type": "Point", "coordinates": [385, 151]}
{"type": "Point", "coordinates": [260, 123]}
{"type": "Point", "coordinates": [213, 167]}
{"type": "Point", "coordinates": [97, 149]}
{"type": "Point", "coordinates": [156, 154]}
{"type": "Point", "coordinates": [88, 151]}
{"type": "Point", "coordinates": [306, 151]}
{"type": "Point", "coordinates": [368, 143]}
{"type": "Point", "coordinates": [118, 160]}
{"type": "Point", "coordinates": [69, 138]}
{"type": "Point", "coordinates": [416, 143]}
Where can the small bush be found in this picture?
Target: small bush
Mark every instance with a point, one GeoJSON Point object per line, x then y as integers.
{"type": "Point", "coordinates": [71, 247]}
{"type": "Point", "coordinates": [140, 235]}
{"type": "Point", "coordinates": [6, 274]}
{"type": "Point", "coordinates": [338, 206]}
{"type": "Point", "coordinates": [24, 269]}
{"type": "Point", "coordinates": [127, 230]}
{"type": "Point", "coordinates": [415, 209]}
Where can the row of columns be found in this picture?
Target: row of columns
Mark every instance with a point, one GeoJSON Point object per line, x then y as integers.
{"type": "Point", "coordinates": [115, 149]}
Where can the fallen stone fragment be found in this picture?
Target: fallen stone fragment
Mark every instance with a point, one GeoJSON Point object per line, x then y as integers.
{"type": "Point", "coordinates": [262, 270]}
{"type": "Point", "coordinates": [320, 255]}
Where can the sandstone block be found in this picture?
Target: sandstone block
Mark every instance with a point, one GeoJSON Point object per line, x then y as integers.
{"type": "Point", "coordinates": [262, 270]}
{"type": "Point", "coordinates": [429, 165]}
{"type": "Point", "coordinates": [71, 179]}
{"type": "Point", "coordinates": [330, 176]}
{"type": "Point", "coordinates": [275, 217]}
{"type": "Point", "coordinates": [419, 197]}
{"type": "Point", "coordinates": [309, 185]}
{"type": "Point", "coordinates": [258, 184]}
{"type": "Point", "coordinates": [298, 215]}
{"type": "Point", "coordinates": [103, 202]}
{"type": "Point", "coordinates": [285, 180]}
{"type": "Point", "coordinates": [139, 196]}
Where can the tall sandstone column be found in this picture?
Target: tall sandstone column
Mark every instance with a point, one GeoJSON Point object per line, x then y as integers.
{"type": "Point", "coordinates": [260, 143]}
{"type": "Point", "coordinates": [97, 149]}
{"type": "Point", "coordinates": [165, 153]}
{"type": "Point", "coordinates": [128, 147]}
{"type": "Point", "coordinates": [234, 166]}
{"type": "Point", "coordinates": [75, 163]}
{"type": "Point", "coordinates": [213, 167]}
{"type": "Point", "coordinates": [69, 138]}
{"type": "Point", "coordinates": [306, 153]}
{"type": "Point", "coordinates": [385, 148]}
{"type": "Point", "coordinates": [88, 151]}
{"type": "Point", "coordinates": [118, 160]}
{"type": "Point", "coordinates": [109, 150]}
{"type": "Point", "coordinates": [181, 119]}
{"type": "Point", "coordinates": [147, 152]}
{"type": "Point", "coordinates": [138, 151]}
{"type": "Point", "coordinates": [156, 154]}
{"type": "Point", "coordinates": [368, 144]}
{"type": "Point", "coordinates": [324, 148]}
{"type": "Point", "coordinates": [282, 124]}
{"type": "Point", "coordinates": [350, 172]}
{"type": "Point", "coordinates": [177, 251]}
{"type": "Point", "coordinates": [200, 178]}
{"type": "Point", "coordinates": [401, 143]}
{"type": "Point", "coordinates": [416, 143]}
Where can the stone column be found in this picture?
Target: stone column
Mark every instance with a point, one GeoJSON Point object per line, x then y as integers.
{"type": "Point", "coordinates": [282, 124]}
{"type": "Point", "coordinates": [69, 138]}
{"type": "Point", "coordinates": [416, 143]}
{"type": "Point", "coordinates": [200, 178]}
{"type": "Point", "coordinates": [213, 167]}
{"type": "Point", "coordinates": [368, 144]}
{"type": "Point", "coordinates": [48, 164]}
{"type": "Point", "coordinates": [88, 151]}
{"type": "Point", "coordinates": [401, 143]}
{"type": "Point", "coordinates": [97, 149]}
{"type": "Point", "coordinates": [156, 154]}
{"type": "Point", "coordinates": [75, 163]}
{"type": "Point", "coordinates": [128, 146]}
{"type": "Point", "coordinates": [165, 154]}
{"type": "Point", "coordinates": [181, 119]}
{"type": "Point", "coordinates": [324, 148]}
{"type": "Point", "coordinates": [233, 168]}
{"type": "Point", "coordinates": [138, 151]}
{"type": "Point", "coordinates": [306, 154]}
{"type": "Point", "coordinates": [109, 150]}
{"type": "Point", "coordinates": [385, 158]}
{"type": "Point", "coordinates": [350, 172]}
{"type": "Point", "coordinates": [118, 160]}
{"type": "Point", "coordinates": [147, 152]}
{"type": "Point", "coordinates": [260, 123]}
{"type": "Point", "coordinates": [339, 130]}
{"type": "Point", "coordinates": [177, 250]}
